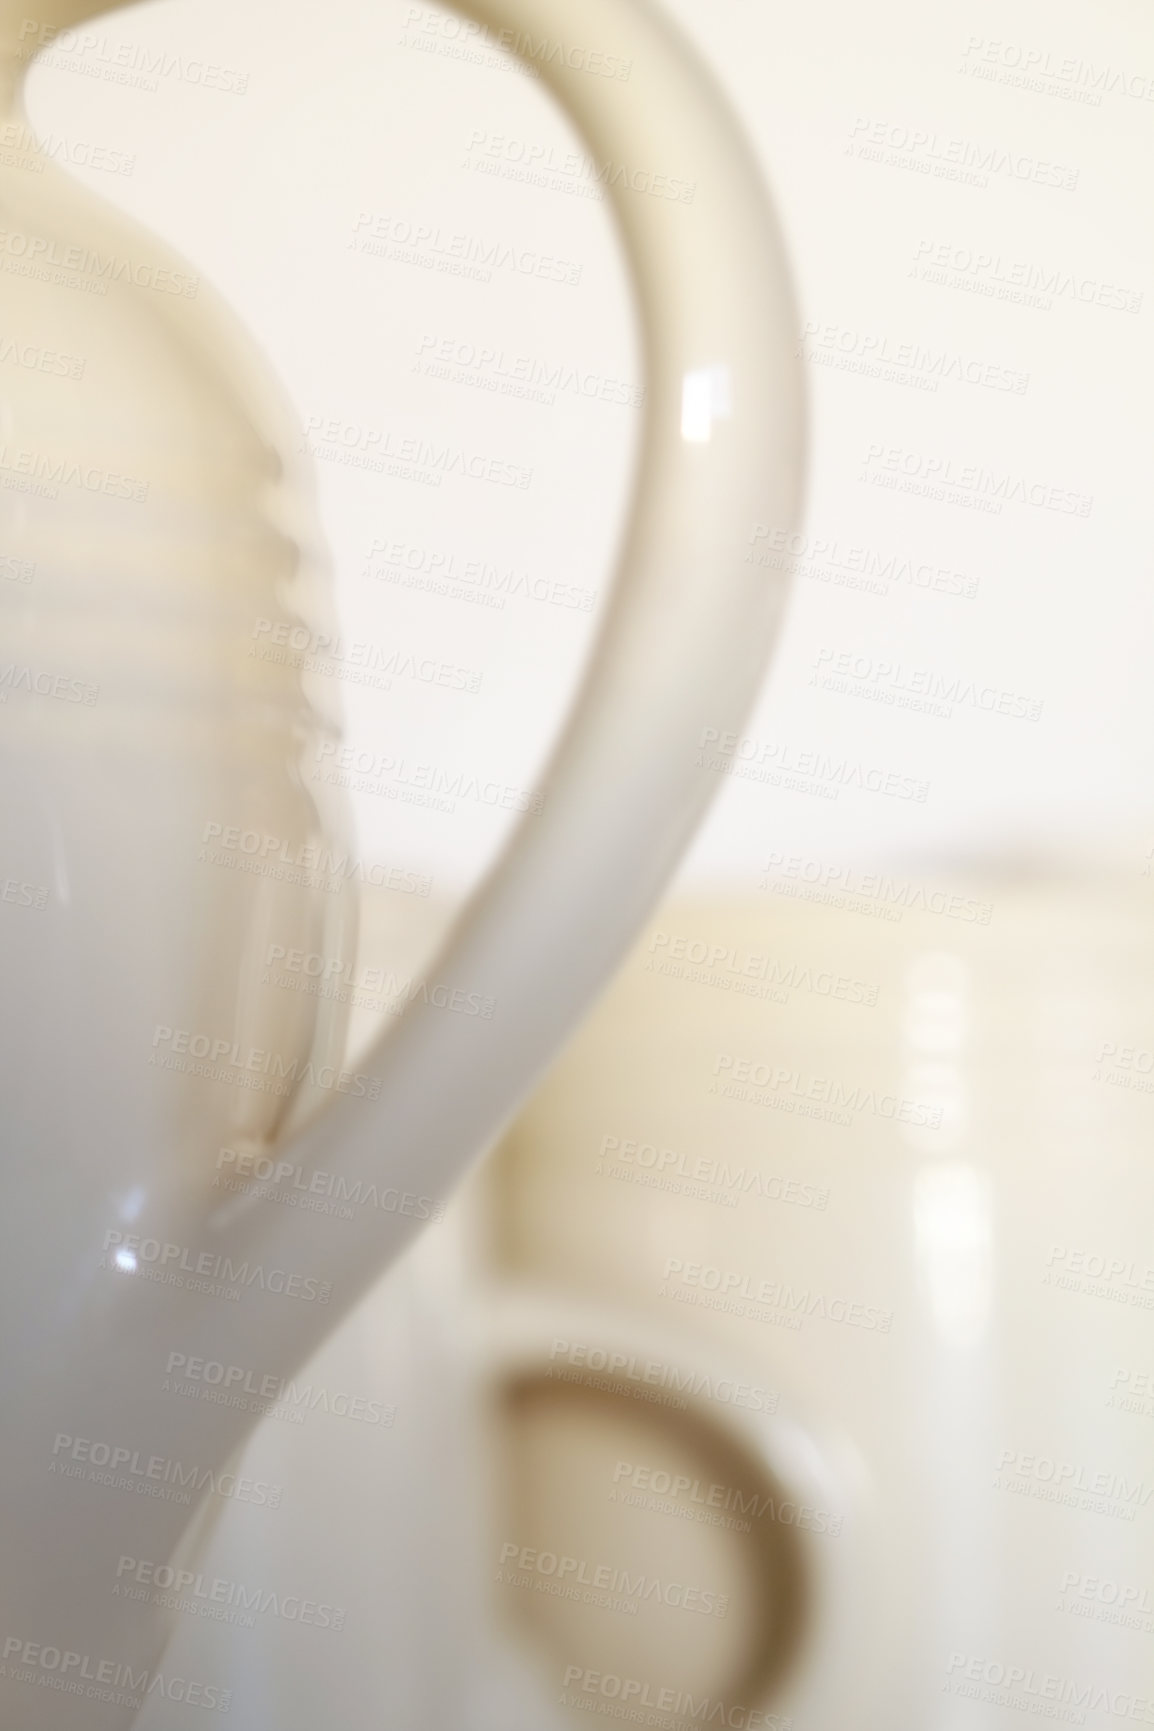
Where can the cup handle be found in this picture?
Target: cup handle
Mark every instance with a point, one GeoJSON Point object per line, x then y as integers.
{"type": "Point", "coordinates": [676, 664]}
{"type": "Point", "coordinates": [809, 1538]}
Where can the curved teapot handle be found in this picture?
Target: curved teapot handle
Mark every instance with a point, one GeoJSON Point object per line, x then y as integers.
{"type": "Point", "coordinates": [681, 651]}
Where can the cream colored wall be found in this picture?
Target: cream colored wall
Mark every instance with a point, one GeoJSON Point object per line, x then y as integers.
{"type": "Point", "coordinates": [1019, 137]}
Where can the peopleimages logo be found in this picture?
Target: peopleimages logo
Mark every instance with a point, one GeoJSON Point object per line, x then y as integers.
{"type": "Point", "coordinates": [373, 988]}
{"type": "Point", "coordinates": [155, 1258]}
{"type": "Point", "coordinates": [1118, 1278]}
{"type": "Point", "coordinates": [1072, 1483]}
{"type": "Point", "coordinates": [130, 1469]}
{"type": "Point", "coordinates": [359, 661]}
{"type": "Point", "coordinates": [873, 356]}
{"type": "Point", "coordinates": [571, 1572]}
{"type": "Point", "coordinates": [45, 470]}
{"type": "Point", "coordinates": [730, 967]}
{"type": "Point", "coordinates": [95, 269]}
{"type": "Point", "coordinates": [25, 895]}
{"type": "Point", "coordinates": [794, 1088]}
{"type": "Point", "coordinates": [15, 676]}
{"type": "Point", "coordinates": [765, 1300]}
{"type": "Point", "coordinates": [382, 451]}
{"type": "Point", "coordinates": [519, 376]}
{"type": "Point", "coordinates": [1033, 1691]}
{"type": "Point", "coordinates": [212, 1377]}
{"type": "Point", "coordinates": [309, 864]}
{"type": "Point", "coordinates": [952, 158]}
{"type": "Point", "coordinates": [1028, 67]}
{"type": "Point", "coordinates": [889, 464]}
{"type": "Point", "coordinates": [705, 1180]}
{"type": "Point", "coordinates": [919, 688]}
{"type": "Point", "coordinates": [1016, 280]}
{"type": "Point", "coordinates": [1124, 1065]}
{"type": "Point", "coordinates": [102, 1679]}
{"type": "Point", "coordinates": [466, 255]}
{"type": "Point", "coordinates": [34, 359]}
{"type": "Point", "coordinates": [416, 783]}
{"type": "Point", "coordinates": [533, 161]}
{"type": "Point", "coordinates": [779, 765]}
{"type": "Point", "coordinates": [633, 1693]}
{"type": "Point", "coordinates": [848, 565]}
{"type": "Point", "coordinates": [119, 61]}
{"type": "Point", "coordinates": [475, 580]}
{"type": "Point", "coordinates": [871, 893]}
{"type": "Point", "coordinates": [1111, 1595]}
{"type": "Point", "coordinates": [20, 147]}
{"type": "Point", "coordinates": [14, 570]}
{"type": "Point", "coordinates": [255, 1174]}
{"type": "Point", "coordinates": [225, 1060]}
{"type": "Point", "coordinates": [221, 1600]}
{"type": "Point", "coordinates": [713, 1501]}
{"type": "Point", "coordinates": [533, 51]}
{"type": "Point", "coordinates": [614, 1367]}
{"type": "Point", "coordinates": [1138, 1386]}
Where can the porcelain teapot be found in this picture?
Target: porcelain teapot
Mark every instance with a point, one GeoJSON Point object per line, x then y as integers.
{"type": "Point", "coordinates": [153, 508]}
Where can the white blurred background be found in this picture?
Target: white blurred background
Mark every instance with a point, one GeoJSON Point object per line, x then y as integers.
{"type": "Point", "coordinates": [964, 192]}
{"type": "Point", "coordinates": [997, 147]}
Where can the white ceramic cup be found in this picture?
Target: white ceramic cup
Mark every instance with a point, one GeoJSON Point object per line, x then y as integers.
{"type": "Point", "coordinates": [417, 1531]}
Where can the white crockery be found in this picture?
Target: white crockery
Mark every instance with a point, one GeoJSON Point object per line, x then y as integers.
{"type": "Point", "coordinates": [158, 512]}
